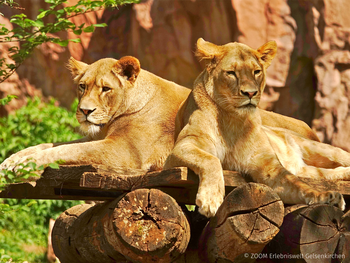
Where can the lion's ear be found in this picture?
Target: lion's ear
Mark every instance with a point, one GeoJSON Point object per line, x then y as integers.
{"type": "Point", "coordinates": [76, 67]}
{"type": "Point", "coordinates": [128, 67]}
{"type": "Point", "coordinates": [206, 50]}
{"type": "Point", "coordinates": [267, 52]}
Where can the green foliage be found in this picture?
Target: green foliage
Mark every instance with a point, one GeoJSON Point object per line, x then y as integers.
{"type": "Point", "coordinates": [25, 222]}
{"type": "Point", "coordinates": [23, 173]}
{"type": "Point", "coordinates": [32, 33]}
{"type": "Point", "coordinates": [7, 99]}
{"type": "Point", "coordinates": [34, 124]}
{"type": "Point", "coordinates": [191, 208]}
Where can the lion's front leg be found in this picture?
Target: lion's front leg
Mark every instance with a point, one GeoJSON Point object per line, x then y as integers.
{"type": "Point", "coordinates": [211, 190]}
{"type": "Point", "coordinates": [33, 153]}
{"type": "Point", "coordinates": [40, 157]}
{"type": "Point", "coordinates": [16, 158]}
{"type": "Point", "coordinates": [98, 152]}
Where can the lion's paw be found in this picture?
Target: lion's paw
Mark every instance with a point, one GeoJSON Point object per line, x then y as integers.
{"type": "Point", "coordinates": [329, 197]}
{"type": "Point", "coordinates": [209, 201]}
{"type": "Point", "coordinates": [8, 164]}
{"type": "Point", "coordinates": [20, 157]}
{"type": "Point", "coordinates": [14, 163]}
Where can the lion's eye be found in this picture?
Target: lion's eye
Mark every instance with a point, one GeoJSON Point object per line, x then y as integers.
{"type": "Point", "coordinates": [105, 89]}
{"type": "Point", "coordinates": [257, 72]}
{"type": "Point", "coordinates": [82, 87]}
{"type": "Point", "coordinates": [232, 73]}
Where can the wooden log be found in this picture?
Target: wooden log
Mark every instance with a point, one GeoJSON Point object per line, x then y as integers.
{"type": "Point", "coordinates": [313, 234]}
{"type": "Point", "coordinates": [343, 247]}
{"type": "Point", "coordinates": [50, 255]}
{"type": "Point", "coordinates": [248, 219]}
{"type": "Point", "coordinates": [145, 225]}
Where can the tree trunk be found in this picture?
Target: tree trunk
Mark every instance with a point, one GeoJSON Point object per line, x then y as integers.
{"type": "Point", "coordinates": [312, 234]}
{"type": "Point", "coordinates": [248, 219]}
{"type": "Point", "coordinates": [141, 226]}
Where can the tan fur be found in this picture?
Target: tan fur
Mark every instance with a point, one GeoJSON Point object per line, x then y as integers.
{"type": "Point", "coordinates": [220, 127]}
{"type": "Point", "coordinates": [129, 118]}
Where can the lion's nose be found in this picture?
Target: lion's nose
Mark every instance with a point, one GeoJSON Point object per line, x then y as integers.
{"type": "Point", "coordinates": [87, 112]}
{"type": "Point", "coordinates": [249, 94]}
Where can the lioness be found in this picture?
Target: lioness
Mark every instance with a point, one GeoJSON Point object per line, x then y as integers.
{"type": "Point", "coordinates": [128, 116]}
{"type": "Point", "coordinates": [127, 113]}
{"type": "Point", "coordinates": [222, 128]}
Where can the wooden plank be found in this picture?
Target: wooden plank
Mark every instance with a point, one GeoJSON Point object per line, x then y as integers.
{"type": "Point", "coordinates": [180, 183]}
{"type": "Point", "coordinates": [30, 191]}
{"type": "Point", "coordinates": [175, 177]}
{"type": "Point", "coordinates": [97, 182]}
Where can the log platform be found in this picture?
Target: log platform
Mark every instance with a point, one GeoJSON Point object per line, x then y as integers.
{"type": "Point", "coordinates": [143, 218]}
{"type": "Point", "coordinates": [97, 182]}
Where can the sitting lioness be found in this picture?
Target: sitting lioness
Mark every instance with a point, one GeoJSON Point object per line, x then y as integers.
{"type": "Point", "coordinates": [127, 114]}
{"type": "Point", "coordinates": [222, 128]}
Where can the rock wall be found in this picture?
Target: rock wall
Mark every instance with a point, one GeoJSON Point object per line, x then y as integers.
{"type": "Point", "coordinates": [309, 79]}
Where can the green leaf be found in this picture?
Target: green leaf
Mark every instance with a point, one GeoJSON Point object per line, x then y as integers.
{"type": "Point", "coordinates": [7, 99]}
{"type": "Point", "coordinates": [75, 40]}
{"type": "Point", "coordinates": [27, 23]}
{"type": "Point", "coordinates": [38, 23]}
{"type": "Point", "coordinates": [191, 207]}
{"type": "Point", "coordinates": [100, 25]}
{"type": "Point", "coordinates": [62, 43]}
{"type": "Point", "coordinates": [19, 16]}
{"type": "Point", "coordinates": [54, 165]}
{"type": "Point", "coordinates": [60, 161]}
{"type": "Point", "coordinates": [78, 31]}
{"type": "Point", "coordinates": [43, 14]}
{"type": "Point", "coordinates": [31, 165]}
{"type": "Point", "coordinates": [32, 202]}
{"type": "Point", "coordinates": [89, 29]}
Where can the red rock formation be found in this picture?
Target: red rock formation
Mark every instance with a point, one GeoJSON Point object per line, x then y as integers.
{"type": "Point", "coordinates": [13, 85]}
{"type": "Point", "coordinates": [309, 79]}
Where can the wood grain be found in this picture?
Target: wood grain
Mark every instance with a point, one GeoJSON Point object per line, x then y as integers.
{"type": "Point", "coordinates": [97, 182]}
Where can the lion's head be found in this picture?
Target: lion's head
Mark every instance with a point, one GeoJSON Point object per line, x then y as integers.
{"type": "Point", "coordinates": [103, 89]}
{"type": "Point", "coordinates": [235, 73]}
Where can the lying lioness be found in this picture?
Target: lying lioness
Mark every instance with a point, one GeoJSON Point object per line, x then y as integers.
{"type": "Point", "coordinates": [222, 128]}
{"type": "Point", "coordinates": [128, 116]}
{"type": "Point", "coordinates": [127, 113]}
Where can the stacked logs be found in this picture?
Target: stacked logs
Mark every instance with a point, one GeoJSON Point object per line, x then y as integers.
{"type": "Point", "coordinates": [250, 226]}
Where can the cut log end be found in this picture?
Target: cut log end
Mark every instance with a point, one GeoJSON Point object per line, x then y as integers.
{"type": "Point", "coordinates": [150, 226]}
{"type": "Point", "coordinates": [248, 219]}
{"type": "Point", "coordinates": [142, 226]}
{"type": "Point", "coordinates": [316, 233]}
